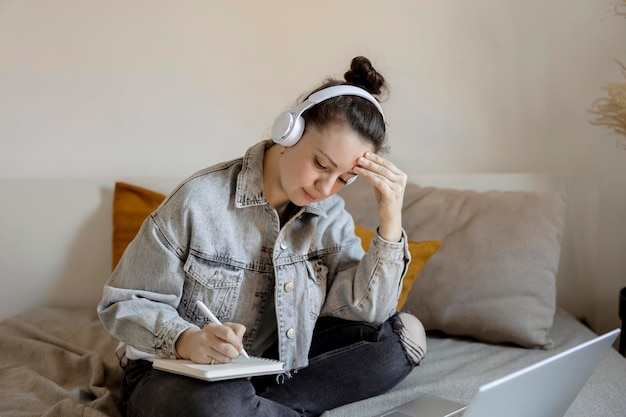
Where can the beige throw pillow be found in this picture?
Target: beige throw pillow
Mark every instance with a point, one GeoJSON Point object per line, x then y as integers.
{"type": "Point", "coordinates": [494, 275]}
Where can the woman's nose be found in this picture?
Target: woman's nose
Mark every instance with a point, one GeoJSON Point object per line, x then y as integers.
{"type": "Point", "coordinates": [325, 185]}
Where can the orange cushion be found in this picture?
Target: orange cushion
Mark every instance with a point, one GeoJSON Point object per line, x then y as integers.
{"type": "Point", "coordinates": [131, 206]}
{"type": "Point", "coordinates": [420, 254]}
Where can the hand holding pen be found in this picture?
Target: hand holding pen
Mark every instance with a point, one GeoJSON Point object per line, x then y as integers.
{"type": "Point", "coordinates": [215, 343]}
{"type": "Point", "coordinates": [215, 320]}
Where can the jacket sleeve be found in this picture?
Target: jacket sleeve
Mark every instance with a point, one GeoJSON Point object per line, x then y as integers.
{"type": "Point", "coordinates": [140, 299]}
{"type": "Point", "coordinates": [365, 287]}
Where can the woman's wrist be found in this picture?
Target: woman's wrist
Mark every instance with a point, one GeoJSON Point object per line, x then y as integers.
{"type": "Point", "coordinates": [183, 344]}
{"type": "Point", "coordinates": [391, 232]}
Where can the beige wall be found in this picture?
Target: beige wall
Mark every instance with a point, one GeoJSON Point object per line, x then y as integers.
{"type": "Point", "coordinates": [162, 88]}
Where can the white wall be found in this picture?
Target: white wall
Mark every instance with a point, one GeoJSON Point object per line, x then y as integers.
{"type": "Point", "coordinates": [163, 88]}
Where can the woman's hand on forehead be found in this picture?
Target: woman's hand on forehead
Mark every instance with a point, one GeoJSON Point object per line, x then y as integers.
{"type": "Point", "coordinates": [389, 183]}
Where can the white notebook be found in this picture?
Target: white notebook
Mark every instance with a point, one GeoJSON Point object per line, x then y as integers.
{"type": "Point", "coordinates": [237, 368]}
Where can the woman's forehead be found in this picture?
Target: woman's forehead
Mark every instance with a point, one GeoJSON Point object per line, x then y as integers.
{"type": "Point", "coordinates": [340, 143]}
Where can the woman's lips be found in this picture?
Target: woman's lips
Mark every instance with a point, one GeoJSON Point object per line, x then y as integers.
{"type": "Point", "coordinates": [308, 196]}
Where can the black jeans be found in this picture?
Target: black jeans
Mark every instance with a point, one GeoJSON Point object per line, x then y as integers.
{"type": "Point", "coordinates": [349, 361]}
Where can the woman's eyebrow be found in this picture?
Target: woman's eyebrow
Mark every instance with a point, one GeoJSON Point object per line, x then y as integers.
{"type": "Point", "coordinates": [333, 163]}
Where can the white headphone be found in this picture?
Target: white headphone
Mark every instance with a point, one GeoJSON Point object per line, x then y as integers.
{"type": "Point", "coordinates": [289, 126]}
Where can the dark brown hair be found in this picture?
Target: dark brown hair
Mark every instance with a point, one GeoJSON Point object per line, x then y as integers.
{"type": "Point", "coordinates": [353, 111]}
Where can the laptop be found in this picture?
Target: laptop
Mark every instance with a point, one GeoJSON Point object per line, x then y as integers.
{"type": "Point", "coordinates": [545, 389]}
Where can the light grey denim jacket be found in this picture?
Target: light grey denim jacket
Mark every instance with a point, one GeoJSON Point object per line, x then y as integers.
{"type": "Point", "coordinates": [215, 238]}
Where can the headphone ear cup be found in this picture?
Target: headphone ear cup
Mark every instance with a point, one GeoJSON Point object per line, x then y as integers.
{"type": "Point", "coordinates": [295, 133]}
{"type": "Point", "coordinates": [287, 130]}
{"type": "Point", "coordinates": [282, 126]}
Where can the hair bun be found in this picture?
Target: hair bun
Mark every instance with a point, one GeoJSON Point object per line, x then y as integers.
{"type": "Point", "coordinates": [363, 74]}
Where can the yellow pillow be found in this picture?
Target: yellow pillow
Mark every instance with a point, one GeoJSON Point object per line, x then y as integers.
{"type": "Point", "coordinates": [420, 254]}
{"type": "Point", "coordinates": [131, 206]}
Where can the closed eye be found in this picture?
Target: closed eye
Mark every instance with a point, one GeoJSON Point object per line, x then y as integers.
{"type": "Point", "coordinates": [346, 182]}
{"type": "Point", "coordinates": [322, 167]}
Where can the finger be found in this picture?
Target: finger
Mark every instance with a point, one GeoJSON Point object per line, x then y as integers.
{"type": "Point", "coordinates": [238, 329]}
{"type": "Point", "coordinates": [380, 172]}
{"type": "Point", "coordinates": [229, 342]}
{"type": "Point", "coordinates": [221, 352]}
{"type": "Point", "coordinates": [208, 359]}
{"type": "Point", "coordinates": [378, 163]}
{"type": "Point", "coordinates": [203, 347]}
{"type": "Point", "coordinates": [381, 178]}
{"type": "Point", "coordinates": [214, 343]}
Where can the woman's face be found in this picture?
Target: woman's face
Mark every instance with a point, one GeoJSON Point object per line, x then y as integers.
{"type": "Point", "coordinates": [320, 164]}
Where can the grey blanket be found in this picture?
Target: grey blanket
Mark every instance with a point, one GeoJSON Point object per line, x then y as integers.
{"type": "Point", "coordinates": [61, 363]}
{"type": "Point", "coordinates": [58, 363]}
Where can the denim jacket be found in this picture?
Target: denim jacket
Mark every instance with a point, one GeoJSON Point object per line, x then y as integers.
{"type": "Point", "coordinates": [215, 238]}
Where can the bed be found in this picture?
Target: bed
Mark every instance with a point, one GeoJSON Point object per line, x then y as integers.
{"type": "Point", "coordinates": [505, 286]}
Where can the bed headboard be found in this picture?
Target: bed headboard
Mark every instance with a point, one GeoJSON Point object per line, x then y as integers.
{"type": "Point", "coordinates": [55, 235]}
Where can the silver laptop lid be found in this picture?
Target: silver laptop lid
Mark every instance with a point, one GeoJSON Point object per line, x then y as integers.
{"type": "Point", "coordinates": [545, 389]}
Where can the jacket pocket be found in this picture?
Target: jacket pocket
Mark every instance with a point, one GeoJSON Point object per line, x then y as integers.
{"type": "Point", "coordinates": [214, 283]}
{"type": "Point", "coordinates": [317, 272]}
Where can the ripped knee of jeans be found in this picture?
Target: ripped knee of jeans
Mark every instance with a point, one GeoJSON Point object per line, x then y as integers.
{"type": "Point", "coordinates": [412, 336]}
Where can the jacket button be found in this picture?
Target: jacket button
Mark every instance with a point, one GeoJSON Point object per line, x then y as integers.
{"type": "Point", "coordinates": [288, 287]}
{"type": "Point", "coordinates": [283, 245]}
{"type": "Point", "coordinates": [291, 333]}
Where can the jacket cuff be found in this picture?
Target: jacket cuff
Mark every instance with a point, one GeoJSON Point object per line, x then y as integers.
{"type": "Point", "coordinates": [392, 251]}
{"type": "Point", "coordinates": [165, 343]}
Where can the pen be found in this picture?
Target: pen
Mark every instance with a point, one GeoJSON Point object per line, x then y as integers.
{"type": "Point", "coordinates": [215, 320]}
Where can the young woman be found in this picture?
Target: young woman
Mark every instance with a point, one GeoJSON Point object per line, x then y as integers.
{"type": "Point", "coordinates": [266, 244]}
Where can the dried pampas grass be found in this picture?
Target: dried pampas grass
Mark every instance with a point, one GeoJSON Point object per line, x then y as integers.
{"type": "Point", "coordinates": [611, 111]}
{"type": "Point", "coordinates": [619, 9]}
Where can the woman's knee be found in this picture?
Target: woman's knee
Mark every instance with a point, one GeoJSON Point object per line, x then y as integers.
{"type": "Point", "coordinates": [165, 394]}
{"type": "Point", "coordinates": [413, 337]}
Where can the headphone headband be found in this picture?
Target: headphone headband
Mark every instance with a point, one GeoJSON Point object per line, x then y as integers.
{"type": "Point", "coordinates": [289, 126]}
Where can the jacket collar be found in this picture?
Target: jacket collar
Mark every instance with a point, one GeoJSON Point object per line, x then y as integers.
{"type": "Point", "coordinates": [249, 190]}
